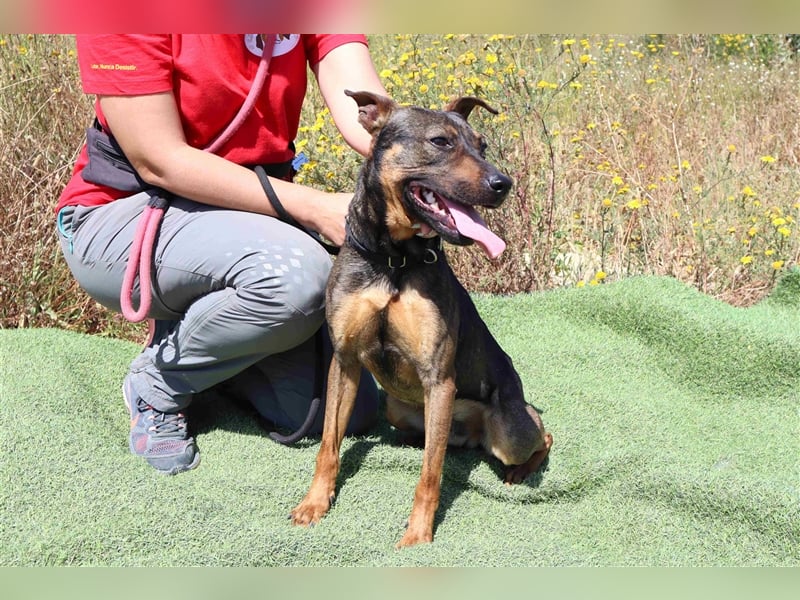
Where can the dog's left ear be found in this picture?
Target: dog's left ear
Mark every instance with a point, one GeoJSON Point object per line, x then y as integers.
{"type": "Point", "coordinates": [464, 106]}
{"type": "Point", "coordinates": [373, 110]}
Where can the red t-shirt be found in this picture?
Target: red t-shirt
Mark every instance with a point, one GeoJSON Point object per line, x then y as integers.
{"type": "Point", "coordinates": [210, 76]}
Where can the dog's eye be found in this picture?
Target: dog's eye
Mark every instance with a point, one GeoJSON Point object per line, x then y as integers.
{"type": "Point", "coordinates": [483, 147]}
{"type": "Point", "coordinates": [441, 142]}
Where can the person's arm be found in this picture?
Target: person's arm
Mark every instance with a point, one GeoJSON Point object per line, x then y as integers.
{"type": "Point", "coordinates": [348, 67]}
{"type": "Point", "coordinates": [149, 130]}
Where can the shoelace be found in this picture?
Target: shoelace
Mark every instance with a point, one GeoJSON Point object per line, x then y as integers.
{"type": "Point", "coordinates": [164, 424]}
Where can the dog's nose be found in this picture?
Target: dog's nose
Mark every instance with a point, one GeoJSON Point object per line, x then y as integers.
{"type": "Point", "coordinates": [500, 184]}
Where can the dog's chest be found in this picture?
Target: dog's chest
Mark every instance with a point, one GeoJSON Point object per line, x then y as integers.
{"type": "Point", "coordinates": [396, 335]}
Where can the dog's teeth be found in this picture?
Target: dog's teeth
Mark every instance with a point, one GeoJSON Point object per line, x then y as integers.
{"type": "Point", "coordinates": [416, 226]}
{"type": "Point", "coordinates": [430, 198]}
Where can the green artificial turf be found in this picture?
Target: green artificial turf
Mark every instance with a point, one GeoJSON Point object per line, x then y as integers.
{"type": "Point", "coordinates": [675, 420]}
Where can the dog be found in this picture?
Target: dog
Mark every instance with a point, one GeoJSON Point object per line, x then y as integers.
{"type": "Point", "coordinates": [395, 306]}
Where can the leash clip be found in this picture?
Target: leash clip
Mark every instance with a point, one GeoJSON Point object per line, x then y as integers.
{"type": "Point", "coordinates": [400, 266]}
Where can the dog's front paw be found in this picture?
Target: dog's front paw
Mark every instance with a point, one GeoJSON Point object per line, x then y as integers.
{"type": "Point", "coordinates": [310, 510]}
{"type": "Point", "coordinates": [412, 538]}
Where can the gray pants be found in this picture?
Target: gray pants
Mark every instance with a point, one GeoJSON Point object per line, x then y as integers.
{"type": "Point", "coordinates": [232, 290]}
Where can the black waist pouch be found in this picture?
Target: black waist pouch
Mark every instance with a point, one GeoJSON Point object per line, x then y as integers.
{"type": "Point", "coordinates": [108, 164]}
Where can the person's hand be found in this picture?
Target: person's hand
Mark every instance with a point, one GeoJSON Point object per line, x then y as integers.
{"type": "Point", "coordinates": [326, 215]}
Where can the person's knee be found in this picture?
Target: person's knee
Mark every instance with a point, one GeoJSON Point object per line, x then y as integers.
{"type": "Point", "coordinates": [290, 282]}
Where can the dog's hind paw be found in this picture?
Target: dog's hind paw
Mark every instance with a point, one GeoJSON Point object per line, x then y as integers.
{"type": "Point", "coordinates": [518, 473]}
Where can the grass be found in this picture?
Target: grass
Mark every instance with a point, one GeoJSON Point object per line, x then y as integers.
{"type": "Point", "coordinates": [676, 443]}
{"type": "Point", "coordinates": [657, 193]}
{"type": "Point", "coordinates": [652, 154]}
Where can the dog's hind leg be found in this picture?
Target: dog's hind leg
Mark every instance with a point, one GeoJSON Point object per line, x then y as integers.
{"type": "Point", "coordinates": [342, 387]}
{"type": "Point", "coordinates": [518, 438]}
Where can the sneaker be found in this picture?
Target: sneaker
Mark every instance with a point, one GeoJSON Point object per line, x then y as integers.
{"type": "Point", "coordinates": [160, 438]}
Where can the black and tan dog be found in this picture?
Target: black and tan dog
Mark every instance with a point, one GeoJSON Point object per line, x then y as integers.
{"type": "Point", "coordinates": [395, 307]}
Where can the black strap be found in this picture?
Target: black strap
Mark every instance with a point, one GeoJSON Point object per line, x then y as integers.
{"type": "Point", "coordinates": [283, 215]}
{"type": "Point", "coordinates": [273, 197]}
{"type": "Point", "coordinates": [316, 401]}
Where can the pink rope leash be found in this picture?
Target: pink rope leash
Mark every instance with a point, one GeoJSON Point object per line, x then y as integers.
{"type": "Point", "coordinates": [140, 259]}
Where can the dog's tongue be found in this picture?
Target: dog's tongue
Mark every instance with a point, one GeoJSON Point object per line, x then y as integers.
{"type": "Point", "coordinates": [469, 224]}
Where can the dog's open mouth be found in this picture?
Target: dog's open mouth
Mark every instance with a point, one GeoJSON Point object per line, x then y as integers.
{"type": "Point", "coordinates": [451, 218]}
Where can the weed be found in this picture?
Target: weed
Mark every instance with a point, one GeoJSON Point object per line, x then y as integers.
{"type": "Point", "coordinates": [658, 154]}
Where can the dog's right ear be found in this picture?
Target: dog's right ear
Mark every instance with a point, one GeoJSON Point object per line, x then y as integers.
{"type": "Point", "coordinates": [373, 110]}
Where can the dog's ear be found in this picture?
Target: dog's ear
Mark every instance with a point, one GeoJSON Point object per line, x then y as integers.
{"type": "Point", "coordinates": [373, 109]}
{"type": "Point", "coordinates": [465, 104]}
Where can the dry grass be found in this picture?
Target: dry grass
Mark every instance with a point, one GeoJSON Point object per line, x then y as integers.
{"type": "Point", "coordinates": [651, 154]}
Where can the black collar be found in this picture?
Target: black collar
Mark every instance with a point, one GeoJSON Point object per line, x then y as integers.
{"type": "Point", "coordinates": [394, 261]}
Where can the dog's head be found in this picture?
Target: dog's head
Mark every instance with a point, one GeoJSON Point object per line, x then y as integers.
{"type": "Point", "coordinates": [432, 169]}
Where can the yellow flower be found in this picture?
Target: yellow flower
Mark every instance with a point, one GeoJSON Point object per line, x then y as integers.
{"type": "Point", "coordinates": [784, 231]}
{"type": "Point", "coordinates": [752, 231]}
{"type": "Point", "coordinates": [769, 252]}
{"type": "Point", "coordinates": [617, 180]}
{"type": "Point", "coordinates": [778, 264]}
{"type": "Point", "coordinates": [768, 159]}
{"type": "Point", "coordinates": [731, 148]}
{"type": "Point", "coordinates": [607, 203]}
{"type": "Point", "coordinates": [568, 43]}
{"type": "Point", "coordinates": [634, 204]}
{"type": "Point", "coordinates": [468, 57]}
{"type": "Point", "coordinates": [600, 275]}
{"type": "Point", "coordinates": [423, 88]}
{"type": "Point", "coordinates": [585, 58]}
{"type": "Point", "coordinates": [386, 73]}
{"type": "Point", "coordinates": [491, 58]}
{"type": "Point", "coordinates": [746, 260]}
{"type": "Point", "coordinates": [778, 221]}
{"type": "Point", "coordinates": [748, 191]}
{"type": "Point", "coordinates": [580, 284]}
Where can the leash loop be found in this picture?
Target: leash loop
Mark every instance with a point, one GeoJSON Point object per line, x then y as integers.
{"type": "Point", "coordinates": [431, 256]}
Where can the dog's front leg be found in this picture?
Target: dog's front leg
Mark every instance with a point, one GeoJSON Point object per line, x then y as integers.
{"type": "Point", "coordinates": [439, 401]}
{"type": "Point", "coordinates": [342, 387]}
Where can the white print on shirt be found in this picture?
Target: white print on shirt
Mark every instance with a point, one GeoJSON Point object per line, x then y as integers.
{"type": "Point", "coordinates": [284, 43]}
